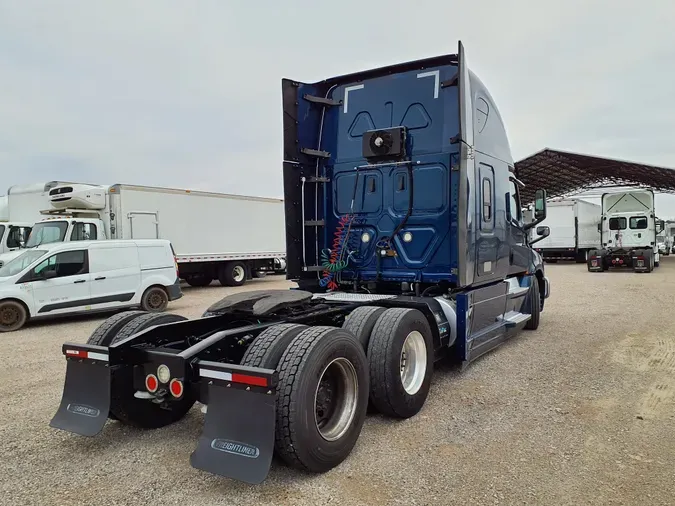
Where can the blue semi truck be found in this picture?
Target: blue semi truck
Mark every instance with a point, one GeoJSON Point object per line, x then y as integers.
{"type": "Point", "coordinates": [405, 236]}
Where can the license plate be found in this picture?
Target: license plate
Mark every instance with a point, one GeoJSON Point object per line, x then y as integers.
{"type": "Point", "coordinates": [640, 263]}
{"type": "Point", "coordinates": [594, 263]}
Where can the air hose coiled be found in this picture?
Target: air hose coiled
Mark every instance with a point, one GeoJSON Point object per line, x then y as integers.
{"type": "Point", "coordinates": [333, 260]}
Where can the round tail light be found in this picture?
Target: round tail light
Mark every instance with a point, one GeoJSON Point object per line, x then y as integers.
{"type": "Point", "coordinates": [176, 388]}
{"type": "Point", "coordinates": [151, 383]}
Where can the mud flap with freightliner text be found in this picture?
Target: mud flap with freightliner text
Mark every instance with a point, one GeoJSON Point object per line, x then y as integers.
{"type": "Point", "coordinates": [86, 393]}
{"type": "Point", "coordinates": [238, 436]}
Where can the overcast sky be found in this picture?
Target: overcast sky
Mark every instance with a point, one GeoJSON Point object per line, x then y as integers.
{"type": "Point", "coordinates": [188, 94]}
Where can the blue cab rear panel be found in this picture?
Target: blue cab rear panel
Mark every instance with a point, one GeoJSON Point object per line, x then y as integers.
{"type": "Point", "coordinates": [376, 196]}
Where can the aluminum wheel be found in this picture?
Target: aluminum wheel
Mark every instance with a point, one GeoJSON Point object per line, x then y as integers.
{"type": "Point", "coordinates": [413, 362]}
{"type": "Point", "coordinates": [238, 273]}
{"type": "Point", "coordinates": [336, 399]}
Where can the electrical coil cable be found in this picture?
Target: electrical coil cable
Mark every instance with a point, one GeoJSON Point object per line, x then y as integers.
{"type": "Point", "coordinates": [332, 260]}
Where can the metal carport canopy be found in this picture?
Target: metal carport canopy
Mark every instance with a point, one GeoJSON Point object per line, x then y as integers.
{"type": "Point", "coordinates": [562, 173]}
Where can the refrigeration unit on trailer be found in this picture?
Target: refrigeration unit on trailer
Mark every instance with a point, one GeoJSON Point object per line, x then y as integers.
{"type": "Point", "coordinates": [216, 236]}
{"type": "Point", "coordinates": [19, 210]}
{"type": "Point", "coordinates": [405, 235]}
{"type": "Point", "coordinates": [629, 228]}
{"type": "Point", "coordinates": [574, 230]}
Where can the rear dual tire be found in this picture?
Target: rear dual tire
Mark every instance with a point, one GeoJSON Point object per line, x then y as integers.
{"type": "Point", "coordinates": [232, 274]}
{"type": "Point", "coordinates": [400, 359]}
{"type": "Point", "coordinates": [323, 397]}
{"type": "Point", "coordinates": [322, 392]}
{"type": "Point", "coordinates": [198, 280]}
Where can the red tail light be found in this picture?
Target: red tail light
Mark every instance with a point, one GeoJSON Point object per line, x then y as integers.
{"type": "Point", "coordinates": [151, 383]}
{"type": "Point", "coordinates": [176, 387]}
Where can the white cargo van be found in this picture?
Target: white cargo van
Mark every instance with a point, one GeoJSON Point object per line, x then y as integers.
{"type": "Point", "coordinates": [67, 278]}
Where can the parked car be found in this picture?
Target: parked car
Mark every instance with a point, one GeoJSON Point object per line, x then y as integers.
{"type": "Point", "coordinates": [68, 278]}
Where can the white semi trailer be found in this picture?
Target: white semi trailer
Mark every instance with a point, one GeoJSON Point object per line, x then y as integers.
{"type": "Point", "coordinates": [574, 230]}
{"type": "Point", "coordinates": [215, 236]}
{"type": "Point", "coordinates": [629, 229]}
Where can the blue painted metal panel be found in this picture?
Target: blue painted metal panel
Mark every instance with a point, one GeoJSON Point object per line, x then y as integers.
{"type": "Point", "coordinates": [430, 113]}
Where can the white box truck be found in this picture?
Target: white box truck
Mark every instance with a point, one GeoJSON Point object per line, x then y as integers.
{"type": "Point", "coordinates": [215, 236]}
{"type": "Point", "coordinates": [19, 210]}
{"type": "Point", "coordinates": [13, 232]}
{"type": "Point", "coordinates": [574, 230]}
{"type": "Point", "coordinates": [629, 230]}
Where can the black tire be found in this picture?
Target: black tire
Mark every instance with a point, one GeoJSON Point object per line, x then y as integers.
{"type": "Point", "coordinates": [258, 274]}
{"type": "Point", "coordinates": [13, 315]}
{"type": "Point", "coordinates": [143, 413]}
{"type": "Point", "coordinates": [106, 331]}
{"type": "Point", "coordinates": [650, 256]}
{"type": "Point", "coordinates": [535, 305]}
{"type": "Point", "coordinates": [387, 392]}
{"type": "Point", "coordinates": [266, 349]}
{"type": "Point", "coordinates": [199, 280]}
{"type": "Point", "coordinates": [155, 300]}
{"type": "Point", "coordinates": [232, 274]}
{"type": "Point", "coordinates": [361, 321]}
{"type": "Point", "coordinates": [298, 440]}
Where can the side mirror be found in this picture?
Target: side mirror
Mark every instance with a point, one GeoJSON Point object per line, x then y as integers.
{"type": "Point", "coordinates": [660, 225]}
{"type": "Point", "coordinates": [50, 274]}
{"type": "Point", "coordinates": [544, 231]}
{"type": "Point", "coordinates": [540, 205]}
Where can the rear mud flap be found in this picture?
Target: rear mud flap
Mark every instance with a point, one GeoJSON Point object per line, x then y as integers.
{"type": "Point", "coordinates": [238, 437]}
{"type": "Point", "coordinates": [86, 399]}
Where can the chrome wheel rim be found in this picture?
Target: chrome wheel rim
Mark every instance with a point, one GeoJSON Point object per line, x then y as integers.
{"type": "Point", "coordinates": [238, 273]}
{"type": "Point", "coordinates": [413, 362]}
{"type": "Point", "coordinates": [336, 399]}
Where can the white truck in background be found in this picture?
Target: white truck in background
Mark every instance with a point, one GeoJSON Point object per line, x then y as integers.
{"type": "Point", "coordinates": [629, 229]}
{"type": "Point", "coordinates": [19, 210]}
{"type": "Point", "coordinates": [13, 233]}
{"type": "Point", "coordinates": [215, 236]}
{"type": "Point", "coordinates": [663, 244]}
{"type": "Point", "coordinates": [574, 230]}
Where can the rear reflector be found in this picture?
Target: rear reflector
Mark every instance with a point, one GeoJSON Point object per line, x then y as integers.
{"type": "Point", "coordinates": [91, 355]}
{"type": "Point", "coordinates": [249, 380]}
{"type": "Point", "coordinates": [245, 379]}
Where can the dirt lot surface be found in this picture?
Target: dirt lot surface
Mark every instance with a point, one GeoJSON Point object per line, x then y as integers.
{"type": "Point", "coordinates": [581, 411]}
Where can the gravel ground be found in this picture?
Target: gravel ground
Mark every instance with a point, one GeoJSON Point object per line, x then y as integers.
{"type": "Point", "coordinates": [579, 412]}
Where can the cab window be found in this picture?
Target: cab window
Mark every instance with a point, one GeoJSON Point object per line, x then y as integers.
{"type": "Point", "coordinates": [83, 232]}
{"type": "Point", "coordinates": [638, 222]}
{"type": "Point", "coordinates": [617, 223]}
{"type": "Point", "coordinates": [66, 263]}
{"type": "Point", "coordinates": [17, 236]}
{"type": "Point", "coordinates": [514, 201]}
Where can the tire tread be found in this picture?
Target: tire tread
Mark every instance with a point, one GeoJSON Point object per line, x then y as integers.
{"type": "Point", "coordinates": [295, 356]}
{"type": "Point", "coordinates": [111, 326]}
